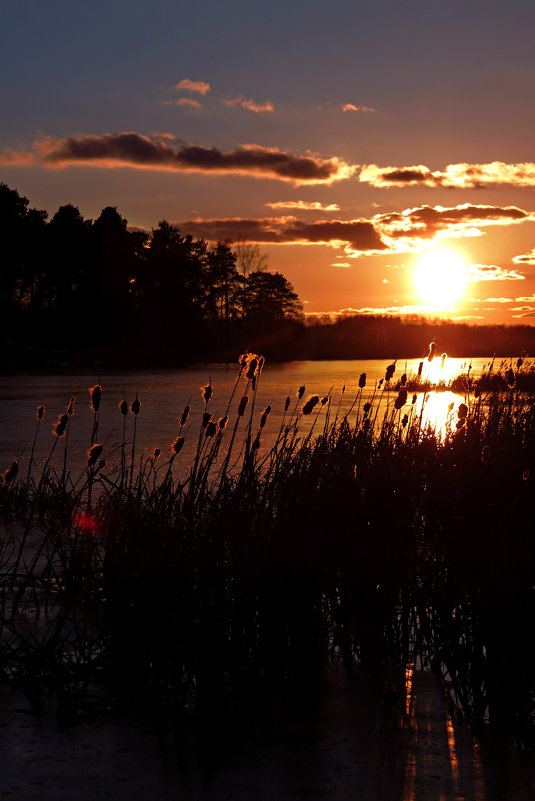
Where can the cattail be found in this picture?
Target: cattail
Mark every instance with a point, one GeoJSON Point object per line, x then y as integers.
{"type": "Point", "coordinates": [177, 445]}
{"type": "Point", "coordinates": [519, 363]}
{"type": "Point", "coordinates": [462, 411]}
{"type": "Point", "coordinates": [420, 368]}
{"type": "Point", "coordinates": [253, 383]}
{"type": "Point", "coordinates": [324, 400]}
{"type": "Point", "coordinates": [61, 425]}
{"type": "Point", "coordinates": [11, 472]}
{"type": "Point", "coordinates": [405, 420]}
{"type": "Point", "coordinates": [70, 407]}
{"type": "Point", "coordinates": [344, 387]}
{"type": "Point", "coordinates": [442, 360]}
{"type": "Point", "coordinates": [380, 384]}
{"type": "Point", "coordinates": [510, 378]}
{"type": "Point", "coordinates": [309, 405]}
{"type": "Point", "coordinates": [135, 405]}
{"type": "Point", "coordinates": [450, 407]}
{"type": "Point", "coordinates": [40, 413]}
{"type": "Point", "coordinates": [390, 371]}
{"type": "Point", "coordinates": [432, 348]}
{"type": "Point", "coordinates": [156, 453]}
{"type": "Point", "coordinates": [413, 401]}
{"type": "Point", "coordinates": [362, 382]}
{"type": "Point", "coordinates": [211, 428]}
{"type": "Point", "coordinates": [401, 399]}
{"type": "Point", "coordinates": [185, 414]}
{"type": "Point", "coordinates": [366, 424]}
{"type": "Point", "coordinates": [93, 453]}
{"type": "Point", "coordinates": [264, 417]}
{"type": "Point", "coordinates": [222, 423]}
{"type": "Point", "coordinates": [261, 363]}
{"type": "Point", "coordinates": [242, 361]}
{"type": "Point", "coordinates": [205, 419]}
{"type": "Point", "coordinates": [101, 465]}
{"type": "Point", "coordinates": [287, 404]}
{"type": "Point", "coordinates": [207, 392]}
{"type": "Point", "coordinates": [256, 443]}
{"type": "Point", "coordinates": [403, 380]}
{"type": "Point", "coordinates": [300, 392]}
{"type": "Point", "coordinates": [251, 367]}
{"type": "Point", "coordinates": [95, 393]}
{"type": "Point", "coordinates": [123, 408]}
{"type": "Point", "coordinates": [477, 392]}
{"type": "Point", "coordinates": [366, 409]}
{"type": "Point", "coordinates": [243, 403]}
{"type": "Point", "coordinates": [460, 423]}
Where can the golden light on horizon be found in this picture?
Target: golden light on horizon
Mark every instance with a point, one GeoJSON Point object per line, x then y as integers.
{"type": "Point", "coordinates": [440, 277]}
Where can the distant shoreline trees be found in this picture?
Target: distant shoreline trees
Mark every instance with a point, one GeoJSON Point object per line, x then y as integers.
{"type": "Point", "coordinates": [81, 292]}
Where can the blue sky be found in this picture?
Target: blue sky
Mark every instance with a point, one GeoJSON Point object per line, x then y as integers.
{"type": "Point", "coordinates": [349, 86]}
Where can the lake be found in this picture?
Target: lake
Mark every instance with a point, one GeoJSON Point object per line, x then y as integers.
{"type": "Point", "coordinates": [163, 395]}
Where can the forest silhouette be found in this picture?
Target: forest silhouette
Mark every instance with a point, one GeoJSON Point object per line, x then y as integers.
{"type": "Point", "coordinates": [74, 291]}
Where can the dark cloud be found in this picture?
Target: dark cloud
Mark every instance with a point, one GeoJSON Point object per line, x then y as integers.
{"type": "Point", "coordinates": [165, 153]}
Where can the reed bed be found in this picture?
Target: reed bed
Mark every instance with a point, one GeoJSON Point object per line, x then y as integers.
{"type": "Point", "coordinates": [363, 536]}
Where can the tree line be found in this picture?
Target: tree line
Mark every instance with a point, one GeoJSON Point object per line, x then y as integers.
{"type": "Point", "coordinates": [78, 291]}
{"type": "Point", "coordinates": [95, 288]}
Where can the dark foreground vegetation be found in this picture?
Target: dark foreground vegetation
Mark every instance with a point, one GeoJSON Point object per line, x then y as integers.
{"type": "Point", "coordinates": [76, 292]}
{"type": "Point", "coordinates": [365, 536]}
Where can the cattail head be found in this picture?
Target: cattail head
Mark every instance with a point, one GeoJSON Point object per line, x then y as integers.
{"type": "Point", "coordinates": [450, 407]}
{"type": "Point", "coordinates": [177, 445]}
{"type": "Point", "coordinates": [261, 363]}
{"type": "Point", "coordinates": [510, 378]}
{"type": "Point", "coordinates": [420, 368]}
{"type": "Point", "coordinates": [287, 404]}
{"type": "Point", "coordinates": [324, 400]}
{"type": "Point", "coordinates": [256, 443]}
{"type": "Point", "coordinates": [442, 360]}
{"type": "Point", "coordinates": [95, 394]}
{"type": "Point", "coordinates": [211, 428]}
{"type": "Point", "coordinates": [251, 367]}
{"type": "Point", "coordinates": [205, 419]}
{"type": "Point", "coordinates": [70, 407]}
{"type": "Point", "coordinates": [390, 370]}
{"type": "Point", "coordinates": [222, 423]}
{"type": "Point", "coordinates": [403, 379]}
{"type": "Point", "coordinates": [156, 453]}
{"type": "Point", "coordinates": [242, 361]}
{"type": "Point", "coordinates": [519, 363]}
{"type": "Point", "coordinates": [300, 392]}
{"type": "Point", "coordinates": [93, 453]}
{"type": "Point", "coordinates": [432, 349]}
{"type": "Point", "coordinates": [405, 420]}
{"type": "Point", "coordinates": [310, 404]}
{"type": "Point", "coordinates": [366, 409]}
{"type": "Point", "coordinates": [366, 423]}
{"type": "Point", "coordinates": [135, 406]}
{"type": "Point", "coordinates": [264, 417]}
{"type": "Point", "coordinates": [401, 399]}
{"type": "Point", "coordinates": [477, 391]}
{"type": "Point", "coordinates": [123, 407]}
{"type": "Point", "coordinates": [413, 401]}
{"type": "Point", "coordinates": [10, 473]}
{"type": "Point", "coordinates": [40, 413]}
{"type": "Point", "coordinates": [380, 384]}
{"type": "Point", "coordinates": [185, 414]}
{"type": "Point", "coordinates": [462, 411]}
{"type": "Point", "coordinates": [253, 383]}
{"type": "Point", "coordinates": [207, 392]}
{"type": "Point", "coordinates": [344, 387]}
{"type": "Point", "coordinates": [61, 425]}
{"type": "Point", "coordinates": [243, 403]}
{"type": "Point", "coordinates": [362, 381]}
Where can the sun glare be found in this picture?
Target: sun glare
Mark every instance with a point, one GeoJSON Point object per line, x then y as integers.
{"type": "Point", "coordinates": [440, 277]}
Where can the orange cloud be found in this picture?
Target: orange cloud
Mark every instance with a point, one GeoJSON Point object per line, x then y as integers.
{"type": "Point", "coordinates": [525, 258]}
{"type": "Point", "coordinates": [131, 149]}
{"type": "Point", "coordinates": [193, 86]}
{"type": "Point", "coordinates": [458, 176]}
{"type": "Point", "coordinates": [303, 205]}
{"type": "Point", "coordinates": [352, 107]}
{"type": "Point", "coordinates": [183, 101]}
{"type": "Point", "coordinates": [490, 272]}
{"type": "Point", "coordinates": [406, 231]}
{"type": "Point", "coordinates": [249, 105]}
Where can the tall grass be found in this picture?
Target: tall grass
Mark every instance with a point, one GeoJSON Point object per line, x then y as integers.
{"type": "Point", "coordinates": [371, 537]}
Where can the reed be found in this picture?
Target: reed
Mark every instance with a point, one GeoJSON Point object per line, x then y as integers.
{"type": "Point", "coordinates": [376, 539]}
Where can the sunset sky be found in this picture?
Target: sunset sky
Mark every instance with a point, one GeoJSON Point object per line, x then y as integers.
{"type": "Point", "coordinates": [381, 153]}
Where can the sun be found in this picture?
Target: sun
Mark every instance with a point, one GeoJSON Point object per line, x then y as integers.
{"type": "Point", "coordinates": [440, 277]}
